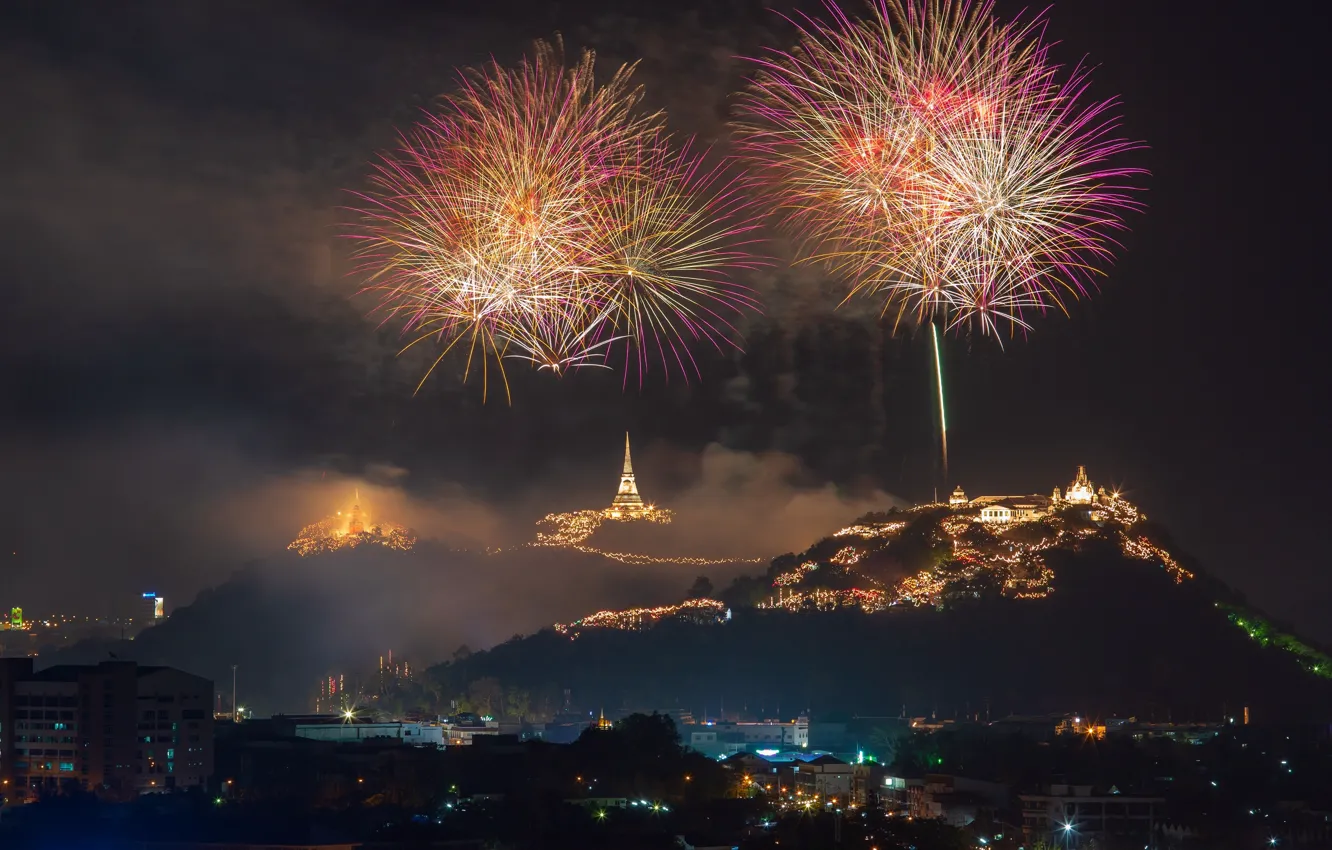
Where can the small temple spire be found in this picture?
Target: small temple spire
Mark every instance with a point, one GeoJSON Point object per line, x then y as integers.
{"type": "Point", "coordinates": [628, 462]}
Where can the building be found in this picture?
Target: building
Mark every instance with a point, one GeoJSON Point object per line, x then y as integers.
{"type": "Point", "coordinates": [807, 774]}
{"type": "Point", "coordinates": [627, 504]}
{"type": "Point", "coordinates": [115, 728]}
{"type": "Point", "coordinates": [824, 775]}
{"type": "Point", "coordinates": [718, 739]}
{"type": "Point", "coordinates": [1082, 726]}
{"type": "Point", "coordinates": [342, 728]}
{"type": "Point", "coordinates": [461, 730]}
{"type": "Point", "coordinates": [955, 800]}
{"type": "Point", "coordinates": [1038, 727]}
{"type": "Point", "coordinates": [1002, 509]}
{"type": "Point", "coordinates": [1074, 816]}
{"type": "Point", "coordinates": [153, 607]}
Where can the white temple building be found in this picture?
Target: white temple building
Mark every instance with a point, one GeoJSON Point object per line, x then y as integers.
{"type": "Point", "coordinates": [1004, 509]}
{"type": "Point", "coordinates": [1080, 491]}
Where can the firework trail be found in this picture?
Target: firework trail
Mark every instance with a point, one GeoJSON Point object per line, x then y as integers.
{"type": "Point", "coordinates": [939, 159]}
{"type": "Point", "coordinates": [541, 217]}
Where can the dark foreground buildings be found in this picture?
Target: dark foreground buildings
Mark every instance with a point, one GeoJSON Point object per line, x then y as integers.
{"type": "Point", "coordinates": [115, 728]}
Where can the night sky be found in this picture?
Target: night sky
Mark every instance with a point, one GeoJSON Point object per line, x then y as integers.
{"type": "Point", "coordinates": [179, 330]}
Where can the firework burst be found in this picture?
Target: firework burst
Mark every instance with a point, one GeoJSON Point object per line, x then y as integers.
{"type": "Point", "coordinates": [542, 217]}
{"type": "Point", "coordinates": [939, 159]}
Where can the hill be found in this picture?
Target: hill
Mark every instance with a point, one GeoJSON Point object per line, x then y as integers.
{"type": "Point", "coordinates": [1082, 609]}
{"type": "Point", "coordinates": [290, 621]}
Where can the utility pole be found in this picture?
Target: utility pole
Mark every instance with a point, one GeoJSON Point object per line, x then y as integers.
{"type": "Point", "coordinates": [235, 714]}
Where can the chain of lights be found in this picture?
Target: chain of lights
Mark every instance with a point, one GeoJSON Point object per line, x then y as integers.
{"type": "Point", "coordinates": [846, 556]}
{"type": "Point", "coordinates": [1265, 634]}
{"type": "Point", "coordinates": [822, 599]}
{"type": "Point", "coordinates": [795, 576]}
{"type": "Point", "coordinates": [878, 529]}
{"type": "Point", "coordinates": [634, 619]}
{"type": "Point", "coordinates": [683, 560]}
{"type": "Point", "coordinates": [570, 530]}
{"type": "Point", "coordinates": [1143, 548]}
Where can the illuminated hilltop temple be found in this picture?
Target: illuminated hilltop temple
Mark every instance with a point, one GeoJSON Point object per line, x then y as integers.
{"type": "Point", "coordinates": [1080, 491]}
{"type": "Point", "coordinates": [349, 529]}
{"type": "Point", "coordinates": [572, 529]}
{"type": "Point", "coordinates": [1002, 509]}
{"type": "Point", "coordinates": [627, 504]}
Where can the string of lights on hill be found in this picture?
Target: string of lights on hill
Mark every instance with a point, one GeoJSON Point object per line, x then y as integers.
{"type": "Point", "coordinates": [1266, 634]}
{"type": "Point", "coordinates": [570, 530]}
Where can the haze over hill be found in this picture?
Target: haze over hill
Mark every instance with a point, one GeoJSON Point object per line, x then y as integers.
{"type": "Point", "coordinates": [473, 578]}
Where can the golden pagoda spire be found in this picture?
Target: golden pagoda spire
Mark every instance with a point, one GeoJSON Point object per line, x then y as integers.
{"type": "Point", "coordinates": [355, 525]}
{"type": "Point", "coordinates": [627, 502]}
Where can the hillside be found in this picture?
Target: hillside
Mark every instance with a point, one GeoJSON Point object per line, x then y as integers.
{"type": "Point", "coordinates": [289, 621]}
{"type": "Point", "coordinates": [1082, 609]}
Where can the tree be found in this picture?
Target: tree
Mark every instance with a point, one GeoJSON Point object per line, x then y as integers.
{"type": "Point", "coordinates": [649, 736]}
{"type": "Point", "coordinates": [701, 588]}
{"type": "Point", "coordinates": [517, 703]}
{"type": "Point", "coordinates": [485, 694]}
